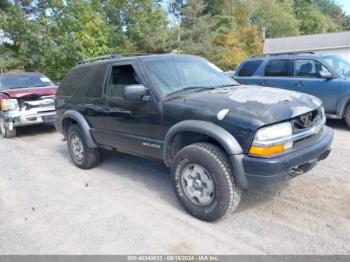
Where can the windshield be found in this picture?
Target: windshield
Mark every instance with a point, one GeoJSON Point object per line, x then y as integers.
{"type": "Point", "coordinates": [340, 64]}
{"type": "Point", "coordinates": [184, 74]}
{"type": "Point", "coordinates": [23, 81]}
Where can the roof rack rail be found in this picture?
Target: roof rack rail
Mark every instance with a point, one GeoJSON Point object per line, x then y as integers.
{"type": "Point", "coordinates": [283, 53]}
{"type": "Point", "coordinates": [110, 56]}
{"type": "Point", "coordinates": [291, 53]}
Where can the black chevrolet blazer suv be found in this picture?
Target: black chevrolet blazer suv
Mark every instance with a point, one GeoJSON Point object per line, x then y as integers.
{"type": "Point", "coordinates": [216, 136]}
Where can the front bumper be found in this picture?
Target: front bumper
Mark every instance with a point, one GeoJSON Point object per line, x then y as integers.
{"type": "Point", "coordinates": [29, 117]}
{"type": "Point", "coordinates": [261, 172]}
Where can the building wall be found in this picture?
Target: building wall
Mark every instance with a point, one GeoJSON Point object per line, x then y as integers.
{"type": "Point", "coordinates": [336, 43]}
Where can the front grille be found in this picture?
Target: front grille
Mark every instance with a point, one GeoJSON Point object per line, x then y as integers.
{"type": "Point", "coordinates": [39, 102]}
{"type": "Point", "coordinates": [307, 120]}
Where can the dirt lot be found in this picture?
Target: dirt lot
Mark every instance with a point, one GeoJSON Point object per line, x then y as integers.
{"type": "Point", "coordinates": [127, 206]}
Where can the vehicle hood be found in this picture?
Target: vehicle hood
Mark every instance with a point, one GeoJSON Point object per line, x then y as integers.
{"type": "Point", "coordinates": [240, 110]}
{"type": "Point", "coordinates": [34, 91]}
{"type": "Point", "coordinates": [259, 105]}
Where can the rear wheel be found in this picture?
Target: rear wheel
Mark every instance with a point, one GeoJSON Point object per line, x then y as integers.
{"type": "Point", "coordinates": [347, 116]}
{"type": "Point", "coordinates": [82, 156]}
{"type": "Point", "coordinates": [6, 131]}
{"type": "Point", "coordinates": [203, 182]}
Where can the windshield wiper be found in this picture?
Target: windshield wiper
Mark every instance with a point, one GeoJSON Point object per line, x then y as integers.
{"type": "Point", "coordinates": [199, 88]}
{"type": "Point", "coordinates": [190, 88]}
{"type": "Point", "coordinates": [227, 85]}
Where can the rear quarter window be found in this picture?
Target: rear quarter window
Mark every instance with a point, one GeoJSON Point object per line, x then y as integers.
{"type": "Point", "coordinates": [95, 80]}
{"type": "Point", "coordinates": [249, 68]}
{"type": "Point", "coordinates": [87, 79]}
{"type": "Point", "coordinates": [72, 81]}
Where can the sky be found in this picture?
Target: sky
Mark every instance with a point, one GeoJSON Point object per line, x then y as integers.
{"type": "Point", "coordinates": [345, 4]}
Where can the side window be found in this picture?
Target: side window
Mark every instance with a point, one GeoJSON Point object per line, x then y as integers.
{"type": "Point", "coordinates": [94, 81]}
{"type": "Point", "coordinates": [249, 68]}
{"type": "Point", "coordinates": [278, 68]}
{"type": "Point", "coordinates": [121, 76]}
{"type": "Point", "coordinates": [308, 68]}
{"type": "Point", "coordinates": [85, 79]}
{"type": "Point", "coordinates": [71, 83]}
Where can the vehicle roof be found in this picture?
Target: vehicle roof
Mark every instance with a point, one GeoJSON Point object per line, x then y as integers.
{"type": "Point", "coordinates": [285, 56]}
{"type": "Point", "coordinates": [20, 74]}
{"type": "Point", "coordinates": [137, 57]}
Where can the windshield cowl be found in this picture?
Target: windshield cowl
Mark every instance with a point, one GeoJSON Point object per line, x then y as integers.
{"type": "Point", "coordinates": [193, 89]}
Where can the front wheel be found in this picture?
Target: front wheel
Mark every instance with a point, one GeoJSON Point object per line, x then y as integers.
{"type": "Point", "coordinates": [347, 116]}
{"type": "Point", "coordinates": [203, 182]}
{"type": "Point", "coordinates": [6, 131]}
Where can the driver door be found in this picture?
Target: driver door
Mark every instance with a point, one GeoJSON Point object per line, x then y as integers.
{"type": "Point", "coordinates": [131, 126]}
{"type": "Point", "coordinates": [306, 79]}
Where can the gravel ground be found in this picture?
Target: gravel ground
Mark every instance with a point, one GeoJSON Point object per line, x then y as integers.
{"type": "Point", "coordinates": [127, 206]}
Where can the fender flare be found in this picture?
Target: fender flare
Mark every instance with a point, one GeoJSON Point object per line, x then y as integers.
{"type": "Point", "coordinates": [224, 138]}
{"type": "Point", "coordinates": [82, 123]}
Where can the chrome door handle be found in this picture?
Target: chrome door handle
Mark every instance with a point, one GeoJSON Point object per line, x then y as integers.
{"type": "Point", "coordinates": [299, 84]}
{"type": "Point", "coordinates": [263, 83]}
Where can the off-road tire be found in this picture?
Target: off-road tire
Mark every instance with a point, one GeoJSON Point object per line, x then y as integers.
{"type": "Point", "coordinates": [91, 156]}
{"type": "Point", "coordinates": [347, 116]}
{"type": "Point", "coordinates": [227, 195]}
{"type": "Point", "coordinates": [6, 132]}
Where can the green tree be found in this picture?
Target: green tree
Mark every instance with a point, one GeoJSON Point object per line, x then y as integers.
{"type": "Point", "coordinates": [197, 33]}
{"type": "Point", "coordinates": [4, 4]}
{"type": "Point", "coordinates": [52, 35]}
{"type": "Point", "coordinates": [236, 36]}
{"type": "Point", "coordinates": [337, 20]}
{"type": "Point", "coordinates": [311, 20]}
{"type": "Point", "coordinates": [8, 59]}
{"type": "Point", "coordinates": [276, 17]}
{"type": "Point", "coordinates": [147, 26]}
{"type": "Point", "coordinates": [19, 33]}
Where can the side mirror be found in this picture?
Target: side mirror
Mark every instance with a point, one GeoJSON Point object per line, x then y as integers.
{"type": "Point", "coordinates": [326, 75]}
{"type": "Point", "coordinates": [134, 92]}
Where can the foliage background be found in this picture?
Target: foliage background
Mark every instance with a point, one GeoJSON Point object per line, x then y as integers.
{"type": "Point", "coordinates": [52, 35]}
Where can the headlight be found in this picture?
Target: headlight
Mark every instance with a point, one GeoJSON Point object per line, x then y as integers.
{"type": "Point", "coordinates": [266, 140]}
{"type": "Point", "coordinates": [8, 104]}
{"type": "Point", "coordinates": [274, 131]}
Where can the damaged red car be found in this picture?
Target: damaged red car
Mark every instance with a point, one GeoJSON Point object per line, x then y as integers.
{"type": "Point", "coordinates": [25, 99]}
